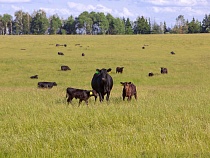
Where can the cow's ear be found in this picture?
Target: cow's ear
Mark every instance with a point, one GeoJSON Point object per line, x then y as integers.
{"type": "Point", "coordinates": [122, 83]}
{"type": "Point", "coordinates": [129, 82]}
{"type": "Point", "coordinates": [108, 70]}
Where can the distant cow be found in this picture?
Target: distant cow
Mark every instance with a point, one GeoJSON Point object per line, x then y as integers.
{"type": "Point", "coordinates": [60, 53]}
{"type": "Point", "coordinates": [102, 83]}
{"type": "Point", "coordinates": [163, 70]}
{"type": "Point", "coordinates": [172, 53]}
{"type": "Point", "coordinates": [57, 45]}
{"type": "Point", "coordinates": [119, 69]}
{"type": "Point", "coordinates": [143, 47]}
{"type": "Point", "coordinates": [82, 95]}
{"type": "Point", "coordinates": [151, 74]}
{"type": "Point", "coordinates": [83, 54]}
{"type": "Point", "coordinates": [34, 77]}
{"type": "Point", "coordinates": [129, 89]}
{"type": "Point", "coordinates": [65, 45]}
{"type": "Point", "coordinates": [65, 68]}
{"type": "Point", "coordinates": [46, 84]}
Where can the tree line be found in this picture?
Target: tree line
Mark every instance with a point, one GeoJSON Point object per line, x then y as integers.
{"type": "Point", "coordinates": [94, 23]}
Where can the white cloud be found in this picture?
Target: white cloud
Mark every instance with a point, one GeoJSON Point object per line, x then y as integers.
{"type": "Point", "coordinates": [16, 8]}
{"type": "Point", "coordinates": [14, 1]}
{"type": "Point", "coordinates": [186, 3]}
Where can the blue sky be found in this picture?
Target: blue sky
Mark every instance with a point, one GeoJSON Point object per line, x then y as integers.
{"type": "Point", "coordinates": [156, 10]}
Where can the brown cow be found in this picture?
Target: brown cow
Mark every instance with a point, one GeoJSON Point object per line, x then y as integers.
{"type": "Point", "coordinates": [119, 69]}
{"type": "Point", "coordinates": [151, 74]}
{"type": "Point", "coordinates": [129, 90]}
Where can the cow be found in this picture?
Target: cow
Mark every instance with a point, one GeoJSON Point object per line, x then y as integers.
{"type": "Point", "coordinates": [60, 53]}
{"type": "Point", "coordinates": [83, 54]}
{"type": "Point", "coordinates": [172, 53]}
{"type": "Point", "coordinates": [163, 70]}
{"type": "Point", "coordinates": [119, 69]}
{"type": "Point", "coordinates": [65, 45]}
{"type": "Point", "coordinates": [102, 83]}
{"type": "Point", "coordinates": [46, 84]}
{"type": "Point", "coordinates": [57, 45]}
{"type": "Point", "coordinates": [82, 95]}
{"type": "Point", "coordinates": [143, 47]}
{"type": "Point", "coordinates": [34, 77]}
{"type": "Point", "coordinates": [129, 89]}
{"type": "Point", "coordinates": [65, 68]}
{"type": "Point", "coordinates": [151, 74]}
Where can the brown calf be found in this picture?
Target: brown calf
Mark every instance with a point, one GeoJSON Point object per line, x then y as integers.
{"type": "Point", "coordinates": [129, 89]}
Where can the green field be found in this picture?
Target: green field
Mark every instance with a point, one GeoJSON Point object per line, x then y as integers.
{"type": "Point", "coordinates": [171, 117]}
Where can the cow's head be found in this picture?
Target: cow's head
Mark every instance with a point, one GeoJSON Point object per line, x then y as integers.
{"type": "Point", "coordinates": [93, 93]}
{"type": "Point", "coordinates": [54, 84]}
{"type": "Point", "coordinates": [103, 72]}
{"type": "Point", "coordinates": [126, 85]}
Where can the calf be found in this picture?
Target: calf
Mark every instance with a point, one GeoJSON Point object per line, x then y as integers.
{"type": "Point", "coordinates": [82, 95]}
{"type": "Point", "coordinates": [119, 69]}
{"type": "Point", "coordinates": [34, 77]}
{"type": "Point", "coordinates": [163, 70]}
{"type": "Point", "coordinates": [46, 84]}
{"type": "Point", "coordinates": [60, 53]}
{"type": "Point", "coordinates": [65, 68]}
{"type": "Point", "coordinates": [129, 89]}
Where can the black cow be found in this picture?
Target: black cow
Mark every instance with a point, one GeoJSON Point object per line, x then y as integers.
{"type": "Point", "coordinates": [129, 89]}
{"type": "Point", "coordinates": [163, 70]}
{"type": "Point", "coordinates": [65, 45]}
{"type": "Point", "coordinates": [65, 68]}
{"type": "Point", "coordinates": [143, 47]}
{"type": "Point", "coordinates": [60, 53]}
{"type": "Point", "coordinates": [119, 69]}
{"type": "Point", "coordinates": [172, 53]}
{"type": "Point", "coordinates": [151, 74]}
{"type": "Point", "coordinates": [82, 95]}
{"type": "Point", "coordinates": [83, 54]}
{"type": "Point", "coordinates": [46, 84]}
{"type": "Point", "coordinates": [34, 77]}
{"type": "Point", "coordinates": [102, 83]}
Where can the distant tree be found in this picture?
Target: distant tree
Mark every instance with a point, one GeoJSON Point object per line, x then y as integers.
{"type": "Point", "coordinates": [110, 20]}
{"type": "Point", "coordinates": [206, 24]}
{"type": "Point", "coordinates": [128, 27]}
{"type": "Point", "coordinates": [69, 25]}
{"type": "Point", "coordinates": [181, 26]}
{"type": "Point", "coordinates": [142, 26]}
{"type": "Point", "coordinates": [165, 30]}
{"type": "Point", "coordinates": [102, 22]}
{"type": "Point", "coordinates": [55, 24]}
{"type": "Point", "coordinates": [1, 25]}
{"type": "Point", "coordinates": [155, 28]}
{"type": "Point", "coordinates": [7, 24]}
{"type": "Point", "coordinates": [18, 22]}
{"type": "Point", "coordinates": [194, 26]}
{"type": "Point", "coordinates": [39, 24]}
{"type": "Point", "coordinates": [85, 23]}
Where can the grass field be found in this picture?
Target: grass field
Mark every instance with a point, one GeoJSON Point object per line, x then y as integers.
{"type": "Point", "coordinates": [171, 117]}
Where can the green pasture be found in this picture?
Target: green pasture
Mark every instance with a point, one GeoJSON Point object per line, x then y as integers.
{"type": "Point", "coordinates": [171, 117]}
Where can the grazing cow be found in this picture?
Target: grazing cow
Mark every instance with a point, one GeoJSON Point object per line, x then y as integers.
{"type": "Point", "coordinates": [60, 53]}
{"type": "Point", "coordinates": [172, 53]}
{"type": "Point", "coordinates": [129, 89]}
{"type": "Point", "coordinates": [143, 47]}
{"type": "Point", "coordinates": [151, 74]}
{"type": "Point", "coordinates": [34, 77]}
{"type": "Point", "coordinates": [65, 45]}
{"type": "Point", "coordinates": [102, 83]}
{"type": "Point", "coordinates": [83, 54]}
{"type": "Point", "coordinates": [82, 95]}
{"type": "Point", "coordinates": [65, 68]}
{"type": "Point", "coordinates": [163, 70]}
{"type": "Point", "coordinates": [46, 84]}
{"type": "Point", "coordinates": [57, 45]}
{"type": "Point", "coordinates": [119, 69]}
{"type": "Point", "coordinates": [77, 44]}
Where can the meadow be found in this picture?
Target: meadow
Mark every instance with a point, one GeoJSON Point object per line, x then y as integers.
{"type": "Point", "coordinates": [171, 117]}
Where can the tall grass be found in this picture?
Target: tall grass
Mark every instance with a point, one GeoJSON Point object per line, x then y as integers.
{"type": "Point", "coordinates": [169, 119]}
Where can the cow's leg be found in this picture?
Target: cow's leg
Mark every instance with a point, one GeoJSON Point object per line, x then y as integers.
{"type": "Point", "coordinates": [79, 102]}
{"type": "Point", "coordinates": [123, 97]}
{"type": "Point", "coordinates": [135, 95]}
{"type": "Point", "coordinates": [69, 100]}
{"type": "Point", "coordinates": [86, 101]}
{"type": "Point", "coordinates": [107, 96]}
{"type": "Point", "coordinates": [101, 97]}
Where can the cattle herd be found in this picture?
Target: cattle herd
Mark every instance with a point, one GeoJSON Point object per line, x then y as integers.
{"type": "Point", "coordinates": [101, 83]}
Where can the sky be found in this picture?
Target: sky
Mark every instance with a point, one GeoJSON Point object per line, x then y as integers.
{"type": "Point", "coordinates": [157, 10]}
